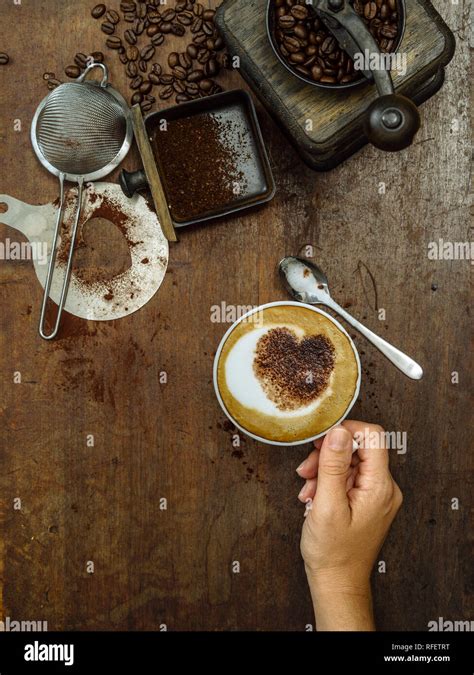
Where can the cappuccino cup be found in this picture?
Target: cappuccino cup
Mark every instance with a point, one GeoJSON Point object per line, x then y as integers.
{"type": "Point", "coordinates": [285, 373]}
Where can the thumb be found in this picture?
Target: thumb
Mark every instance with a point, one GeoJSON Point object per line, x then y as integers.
{"type": "Point", "coordinates": [334, 465]}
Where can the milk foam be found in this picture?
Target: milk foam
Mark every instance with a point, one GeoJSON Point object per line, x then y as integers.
{"type": "Point", "coordinates": [246, 388]}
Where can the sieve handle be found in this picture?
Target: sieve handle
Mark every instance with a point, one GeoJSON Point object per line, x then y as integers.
{"type": "Point", "coordinates": [52, 261]}
{"type": "Point", "coordinates": [105, 79]}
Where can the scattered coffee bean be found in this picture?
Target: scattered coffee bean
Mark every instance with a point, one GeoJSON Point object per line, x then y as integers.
{"type": "Point", "coordinates": [112, 16]}
{"type": "Point", "coordinates": [179, 73]}
{"type": "Point", "coordinates": [166, 79]}
{"type": "Point", "coordinates": [146, 106]}
{"type": "Point", "coordinates": [53, 83]}
{"type": "Point", "coordinates": [72, 71]}
{"type": "Point", "coordinates": [81, 60]}
{"type": "Point", "coordinates": [157, 69]}
{"type": "Point", "coordinates": [131, 69]}
{"type": "Point", "coordinates": [166, 93]}
{"type": "Point", "coordinates": [173, 59]}
{"type": "Point", "coordinates": [148, 52]}
{"type": "Point", "coordinates": [195, 76]}
{"type": "Point", "coordinates": [136, 82]}
{"type": "Point", "coordinates": [98, 57]}
{"type": "Point", "coordinates": [107, 28]}
{"type": "Point", "coordinates": [146, 86]}
{"type": "Point", "coordinates": [128, 6]}
{"type": "Point", "coordinates": [154, 78]}
{"type": "Point", "coordinates": [143, 65]}
{"type": "Point", "coordinates": [113, 42]}
{"type": "Point", "coordinates": [98, 11]}
{"type": "Point", "coordinates": [179, 87]}
{"type": "Point", "coordinates": [4, 58]}
{"type": "Point", "coordinates": [157, 40]}
{"type": "Point", "coordinates": [130, 37]}
{"type": "Point", "coordinates": [182, 98]}
{"type": "Point", "coordinates": [136, 98]}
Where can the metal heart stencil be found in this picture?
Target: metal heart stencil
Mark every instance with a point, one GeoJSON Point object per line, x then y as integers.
{"type": "Point", "coordinates": [97, 299]}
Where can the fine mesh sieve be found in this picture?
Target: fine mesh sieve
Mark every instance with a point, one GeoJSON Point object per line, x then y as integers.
{"type": "Point", "coordinates": [81, 131]}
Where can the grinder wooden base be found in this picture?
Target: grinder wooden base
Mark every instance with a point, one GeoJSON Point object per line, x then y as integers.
{"type": "Point", "coordinates": [327, 127]}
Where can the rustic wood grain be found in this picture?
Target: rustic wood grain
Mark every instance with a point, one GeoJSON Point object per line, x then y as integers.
{"type": "Point", "coordinates": [154, 441]}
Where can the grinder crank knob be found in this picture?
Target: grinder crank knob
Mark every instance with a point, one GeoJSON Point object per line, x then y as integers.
{"type": "Point", "coordinates": [391, 122]}
{"type": "Point", "coordinates": [132, 181]}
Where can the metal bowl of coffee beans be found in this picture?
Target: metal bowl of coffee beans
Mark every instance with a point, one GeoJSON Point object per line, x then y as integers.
{"type": "Point", "coordinates": [308, 49]}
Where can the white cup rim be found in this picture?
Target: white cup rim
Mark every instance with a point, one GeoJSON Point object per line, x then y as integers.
{"type": "Point", "coordinates": [291, 303]}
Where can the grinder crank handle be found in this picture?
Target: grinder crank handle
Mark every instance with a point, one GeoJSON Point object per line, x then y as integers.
{"type": "Point", "coordinates": [392, 120]}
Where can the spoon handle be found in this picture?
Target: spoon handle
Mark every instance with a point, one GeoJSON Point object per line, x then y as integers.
{"type": "Point", "coordinates": [403, 362]}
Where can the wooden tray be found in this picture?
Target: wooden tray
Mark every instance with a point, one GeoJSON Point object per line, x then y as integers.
{"type": "Point", "coordinates": [337, 116]}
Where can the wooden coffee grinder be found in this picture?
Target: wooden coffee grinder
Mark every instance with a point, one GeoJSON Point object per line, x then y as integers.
{"type": "Point", "coordinates": [329, 124]}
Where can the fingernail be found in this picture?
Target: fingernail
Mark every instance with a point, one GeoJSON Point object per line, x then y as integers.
{"type": "Point", "coordinates": [300, 468]}
{"type": "Point", "coordinates": [302, 493]}
{"type": "Point", "coordinates": [337, 438]}
{"type": "Point", "coordinates": [309, 506]}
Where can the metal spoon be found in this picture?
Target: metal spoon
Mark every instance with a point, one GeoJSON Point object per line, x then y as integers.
{"type": "Point", "coordinates": [307, 283]}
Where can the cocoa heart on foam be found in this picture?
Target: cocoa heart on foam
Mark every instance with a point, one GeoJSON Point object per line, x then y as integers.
{"type": "Point", "coordinates": [293, 372]}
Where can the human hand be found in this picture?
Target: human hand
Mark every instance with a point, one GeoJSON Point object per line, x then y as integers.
{"type": "Point", "coordinates": [354, 501]}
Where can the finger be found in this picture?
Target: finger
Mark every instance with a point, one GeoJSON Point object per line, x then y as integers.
{"type": "Point", "coordinates": [318, 443]}
{"type": "Point", "coordinates": [372, 452]}
{"type": "Point", "coordinates": [309, 468]}
{"type": "Point", "coordinates": [308, 490]}
{"type": "Point", "coordinates": [334, 467]}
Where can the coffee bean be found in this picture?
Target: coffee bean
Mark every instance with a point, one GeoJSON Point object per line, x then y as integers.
{"type": "Point", "coordinates": [132, 69]}
{"type": "Point", "coordinates": [219, 43]}
{"type": "Point", "coordinates": [148, 52]}
{"type": "Point", "coordinates": [209, 44]}
{"type": "Point", "coordinates": [141, 10]}
{"type": "Point", "coordinates": [197, 26]}
{"type": "Point", "coordinates": [173, 59]}
{"type": "Point", "coordinates": [113, 42]}
{"type": "Point", "coordinates": [212, 68]}
{"type": "Point", "coordinates": [287, 22]}
{"type": "Point", "coordinates": [301, 31]}
{"type": "Point", "coordinates": [128, 6]}
{"type": "Point", "coordinates": [72, 71]}
{"type": "Point", "coordinates": [179, 73]}
{"type": "Point", "coordinates": [80, 60]}
{"type": "Point", "coordinates": [208, 28]}
{"type": "Point", "coordinates": [150, 98]}
{"type": "Point", "coordinates": [143, 65]}
{"type": "Point", "coordinates": [157, 69]}
{"type": "Point", "coordinates": [192, 88]}
{"type": "Point", "coordinates": [389, 32]}
{"type": "Point", "coordinates": [154, 17]}
{"type": "Point", "coordinates": [329, 45]}
{"type": "Point", "coordinates": [168, 15]}
{"type": "Point", "coordinates": [98, 11]}
{"type": "Point", "coordinates": [192, 51]}
{"type": "Point", "coordinates": [166, 79]}
{"type": "Point", "coordinates": [129, 17]}
{"type": "Point", "coordinates": [165, 93]}
{"type": "Point", "coordinates": [370, 10]}
{"type": "Point", "coordinates": [136, 82]}
{"type": "Point", "coordinates": [198, 9]}
{"type": "Point", "coordinates": [154, 78]}
{"type": "Point", "coordinates": [133, 53]}
{"type": "Point", "coordinates": [46, 76]}
{"type": "Point", "coordinates": [146, 106]}
{"type": "Point", "coordinates": [185, 61]}
{"type": "Point", "coordinates": [136, 98]}
{"type": "Point", "coordinates": [139, 26]}
{"type": "Point", "coordinates": [299, 58]}
{"type": "Point", "coordinates": [98, 57]}
{"type": "Point", "coordinates": [182, 98]}
{"type": "Point", "coordinates": [316, 72]}
{"type": "Point", "coordinates": [178, 29]}
{"type": "Point", "coordinates": [328, 80]}
{"type": "Point", "coordinates": [392, 4]}
{"type": "Point", "coordinates": [112, 16]}
{"type": "Point", "coordinates": [195, 76]}
{"type": "Point", "coordinates": [204, 56]}
{"type": "Point", "coordinates": [165, 27]}
{"type": "Point", "coordinates": [53, 83]}
{"type": "Point", "coordinates": [152, 30]}
{"type": "Point", "coordinates": [186, 18]}
{"type": "Point", "coordinates": [300, 12]}
{"type": "Point", "coordinates": [157, 40]}
{"type": "Point", "coordinates": [146, 86]}
{"type": "Point", "coordinates": [180, 6]}
{"type": "Point", "coordinates": [130, 37]}
{"type": "Point", "coordinates": [122, 56]}
{"type": "Point", "coordinates": [179, 86]}
{"type": "Point", "coordinates": [206, 85]}
{"type": "Point", "coordinates": [107, 28]}
{"type": "Point", "coordinates": [293, 44]}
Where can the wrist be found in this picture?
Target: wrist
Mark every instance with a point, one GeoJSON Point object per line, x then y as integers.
{"type": "Point", "coordinates": [342, 600]}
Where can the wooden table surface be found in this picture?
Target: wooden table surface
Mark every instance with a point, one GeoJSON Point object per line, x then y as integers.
{"type": "Point", "coordinates": [163, 504]}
